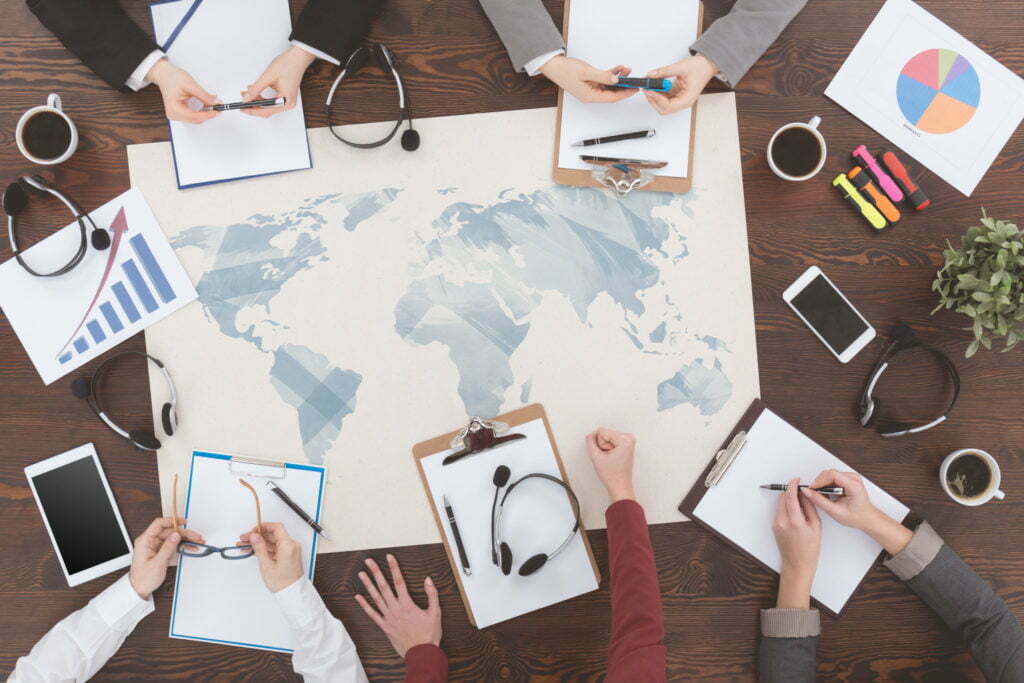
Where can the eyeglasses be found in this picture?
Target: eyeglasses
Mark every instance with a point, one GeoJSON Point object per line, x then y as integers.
{"type": "Point", "coordinates": [232, 552]}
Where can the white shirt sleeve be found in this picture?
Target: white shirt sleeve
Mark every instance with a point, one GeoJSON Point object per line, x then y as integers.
{"type": "Point", "coordinates": [79, 645]}
{"type": "Point", "coordinates": [319, 54]}
{"type": "Point", "coordinates": [323, 649]}
{"type": "Point", "coordinates": [533, 66]}
{"type": "Point", "coordinates": [137, 81]}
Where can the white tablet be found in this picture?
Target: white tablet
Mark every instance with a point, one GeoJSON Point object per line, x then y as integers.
{"type": "Point", "coordinates": [80, 514]}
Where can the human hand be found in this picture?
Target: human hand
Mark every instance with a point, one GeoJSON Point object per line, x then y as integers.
{"type": "Point", "coordinates": [279, 555]}
{"type": "Point", "coordinates": [611, 453]}
{"type": "Point", "coordinates": [177, 87]}
{"type": "Point", "coordinates": [855, 509]}
{"type": "Point", "coordinates": [401, 619]}
{"type": "Point", "coordinates": [797, 529]}
{"type": "Point", "coordinates": [283, 76]}
{"type": "Point", "coordinates": [152, 554]}
{"type": "Point", "coordinates": [584, 82]}
{"type": "Point", "coordinates": [690, 75]}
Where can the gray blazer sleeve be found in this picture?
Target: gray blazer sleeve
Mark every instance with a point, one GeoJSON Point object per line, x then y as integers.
{"type": "Point", "coordinates": [738, 39]}
{"type": "Point", "coordinates": [789, 645]}
{"type": "Point", "coordinates": [965, 602]}
{"type": "Point", "coordinates": [525, 28]}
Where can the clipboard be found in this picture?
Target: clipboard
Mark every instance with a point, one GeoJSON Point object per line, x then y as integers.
{"type": "Point", "coordinates": [581, 178]}
{"type": "Point", "coordinates": [724, 459]}
{"type": "Point", "coordinates": [442, 443]}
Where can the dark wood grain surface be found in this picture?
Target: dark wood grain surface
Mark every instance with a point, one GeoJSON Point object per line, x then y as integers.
{"type": "Point", "coordinates": [454, 64]}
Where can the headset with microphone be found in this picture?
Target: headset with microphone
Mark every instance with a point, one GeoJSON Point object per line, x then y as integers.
{"type": "Point", "coordinates": [16, 198]}
{"type": "Point", "coordinates": [501, 552]}
{"type": "Point", "coordinates": [386, 61]}
{"type": "Point", "coordinates": [88, 390]}
{"type": "Point", "coordinates": [903, 339]}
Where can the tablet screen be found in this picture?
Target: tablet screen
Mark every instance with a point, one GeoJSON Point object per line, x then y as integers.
{"type": "Point", "coordinates": [81, 515]}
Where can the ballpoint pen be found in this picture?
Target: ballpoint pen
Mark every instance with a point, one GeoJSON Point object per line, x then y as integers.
{"type": "Point", "coordinates": [272, 102]}
{"type": "Point", "coordinates": [463, 560]}
{"type": "Point", "coordinates": [635, 135]}
{"type": "Point", "coordinates": [827, 490]}
{"type": "Point", "coordinates": [279, 492]}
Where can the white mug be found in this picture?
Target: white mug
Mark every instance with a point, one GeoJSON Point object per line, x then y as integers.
{"type": "Point", "coordinates": [993, 486]}
{"type": "Point", "coordinates": [811, 126]}
{"type": "Point", "coordinates": [53, 104]}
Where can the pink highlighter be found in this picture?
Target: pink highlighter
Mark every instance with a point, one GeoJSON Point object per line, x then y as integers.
{"type": "Point", "coordinates": [887, 184]}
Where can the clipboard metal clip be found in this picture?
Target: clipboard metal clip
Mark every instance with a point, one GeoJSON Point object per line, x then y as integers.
{"type": "Point", "coordinates": [479, 435]}
{"type": "Point", "coordinates": [725, 457]}
{"type": "Point", "coordinates": [623, 176]}
{"type": "Point", "coordinates": [253, 467]}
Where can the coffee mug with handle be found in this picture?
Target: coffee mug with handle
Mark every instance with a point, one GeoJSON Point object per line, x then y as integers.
{"type": "Point", "coordinates": [54, 106]}
{"type": "Point", "coordinates": [992, 491]}
{"type": "Point", "coordinates": [812, 128]}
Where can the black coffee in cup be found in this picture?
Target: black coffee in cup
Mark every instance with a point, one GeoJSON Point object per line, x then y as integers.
{"type": "Point", "coordinates": [46, 135]}
{"type": "Point", "coordinates": [796, 151]}
{"type": "Point", "coordinates": [969, 476]}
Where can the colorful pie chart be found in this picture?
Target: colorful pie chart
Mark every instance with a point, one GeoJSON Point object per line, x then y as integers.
{"type": "Point", "coordinates": [938, 91]}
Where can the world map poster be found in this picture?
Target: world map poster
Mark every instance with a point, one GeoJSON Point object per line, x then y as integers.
{"type": "Point", "coordinates": [348, 312]}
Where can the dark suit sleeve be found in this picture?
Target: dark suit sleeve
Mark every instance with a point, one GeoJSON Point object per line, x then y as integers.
{"type": "Point", "coordinates": [334, 26]}
{"type": "Point", "coordinates": [99, 33]}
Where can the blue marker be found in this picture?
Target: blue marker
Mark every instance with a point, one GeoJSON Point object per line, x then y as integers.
{"type": "Point", "coordinates": [656, 84]}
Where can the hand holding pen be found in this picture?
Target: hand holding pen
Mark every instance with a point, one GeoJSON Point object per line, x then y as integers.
{"type": "Point", "coordinates": [825, 490]}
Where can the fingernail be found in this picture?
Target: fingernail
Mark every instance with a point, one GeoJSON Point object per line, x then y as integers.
{"type": "Point", "coordinates": [391, 558]}
{"type": "Point", "coordinates": [430, 581]}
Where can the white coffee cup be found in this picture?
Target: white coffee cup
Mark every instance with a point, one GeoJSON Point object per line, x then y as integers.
{"type": "Point", "coordinates": [812, 127]}
{"type": "Point", "coordinates": [53, 104]}
{"type": "Point", "coordinates": [993, 486]}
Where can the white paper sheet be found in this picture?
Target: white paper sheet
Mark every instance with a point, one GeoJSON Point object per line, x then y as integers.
{"type": "Point", "coordinates": [605, 33]}
{"type": "Point", "coordinates": [955, 126]}
{"type": "Point", "coordinates": [536, 519]}
{"type": "Point", "coordinates": [742, 512]}
{"type": "Point", "coordinates": [225, 45]}
{"type": "Point", "coordinates": [226, 601]}
{"type": "Point", "coordinates": [65, 321]}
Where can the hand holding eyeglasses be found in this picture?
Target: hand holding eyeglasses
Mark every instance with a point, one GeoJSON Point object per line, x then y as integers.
{"type": "Point", "coordinates": [279, 555]}
{"type": "Point", "coordinates": [154, 549]}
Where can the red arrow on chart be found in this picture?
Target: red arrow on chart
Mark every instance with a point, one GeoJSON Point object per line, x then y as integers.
{"type": "Point", "coordinates": [118, 227]}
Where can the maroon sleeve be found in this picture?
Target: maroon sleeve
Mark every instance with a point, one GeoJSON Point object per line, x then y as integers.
{"type": "Point", "coordinates": [426, 664]}
{"type": "Point", "coordinates": [636, 652]}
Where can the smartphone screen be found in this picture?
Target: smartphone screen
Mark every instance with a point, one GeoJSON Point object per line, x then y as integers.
{"type": "Point", "coordinates": [829, 314]}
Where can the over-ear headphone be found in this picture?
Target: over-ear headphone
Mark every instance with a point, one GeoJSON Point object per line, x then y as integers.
{"type": "Point", "coordinates": [501, 552]}
{"type": "Point", "coordinates": [16, 198]}
{"type": "Point", "coordinates": [386, 61]}
{"type": "Point", "coordinates": [88, 391]}
{"type": "Point", "coordinates": [903, 339]}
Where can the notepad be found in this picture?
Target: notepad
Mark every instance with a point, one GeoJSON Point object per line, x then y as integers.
{"type": "Point", "coordinates": [225, 45]}
{"type": "Point", "coordinates": [742, 513]}
{"type": "Point", "coordinates": [225, 601]}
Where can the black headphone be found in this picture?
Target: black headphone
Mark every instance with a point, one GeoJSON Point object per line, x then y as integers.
{"type": "Point", "coordinates": [15, 200]}
{"type": "Point", "coordinates": [386, 61]}
{"type": "Point", "coordinates": [86, 389]}
{"type": "Point", "coordinates": [501, 553]}
{"type": "Point", "coordinates": [903, 339]}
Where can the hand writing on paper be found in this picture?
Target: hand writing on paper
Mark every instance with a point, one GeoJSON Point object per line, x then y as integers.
{"type": "Point", "coordinates": [689, 76]}
{"type": "Point", "coordinates": [279, 555]}
{"type": "Point", "coordinates": [403, 621]}
{"type": "Point", "coordinates": [153, 551]}
{"type": "Point", "coordinates": [177, 87]}
{"type": "Point", "coordinates": [855, 509]}
{"type": "Point", "coordinates": [584, 82]}
{"type": "Point", "coordinates": [611, 453]}
{"type": "Point", "coordinates": [283, 76]}
{"type": "Point", "coordinates": [797, 530]}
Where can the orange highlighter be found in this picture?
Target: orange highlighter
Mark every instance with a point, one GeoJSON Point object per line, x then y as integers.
{"type": "Point", "coordinates": [866, 208]}
{"type": "Point", "coordinates": [863, 183]}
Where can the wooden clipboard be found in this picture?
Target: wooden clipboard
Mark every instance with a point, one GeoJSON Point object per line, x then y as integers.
{"type": "Point", "coordinates": [579, 178]}
{"type": "Point", "coordinates": [442, 443]}
{"type": "Point", "coordinates": [695, 495]}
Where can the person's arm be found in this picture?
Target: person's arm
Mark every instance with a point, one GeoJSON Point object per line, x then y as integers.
{"type": "Point", "coordinates": [526, 29]}
{"type": "Point", "coordinates": [636, 651]}
{"type": "Point", "coordinates": [331, 29]}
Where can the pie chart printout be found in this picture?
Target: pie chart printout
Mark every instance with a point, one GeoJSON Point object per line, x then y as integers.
{"type": "Point", "coordinates": [938, 91]}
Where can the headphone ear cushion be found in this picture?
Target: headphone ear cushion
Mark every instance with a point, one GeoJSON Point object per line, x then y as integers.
{"type": "Point", "coordinates": [533, 564]}
{"type": "Point", "coordinates": [15, 199]}
{"type": "Point", "coordinates": [144, 439]}
{"type": "Point", "coordinates": [169, 419]}
{"type": "Point", "coordinates": [506, 559]}
{"type": "Point", "coordinates": [81, 388]}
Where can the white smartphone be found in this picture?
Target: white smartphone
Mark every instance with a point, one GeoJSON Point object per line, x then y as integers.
{"type": "Point", "coordinates": [80, 514]}
{"type": "Point", "coordinates": [829, 314]}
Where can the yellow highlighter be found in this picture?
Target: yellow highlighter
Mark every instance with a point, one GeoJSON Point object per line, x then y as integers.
{"type": "Point", "coordinates": [866, 208]}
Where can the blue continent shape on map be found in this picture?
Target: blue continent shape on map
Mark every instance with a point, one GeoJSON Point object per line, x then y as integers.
{"type": "Point", "coordinates": [578, 242]}
{"type": "Point", "coordinates": [248, 270]}
{"type": "Point", "coordinates": [707, 388]}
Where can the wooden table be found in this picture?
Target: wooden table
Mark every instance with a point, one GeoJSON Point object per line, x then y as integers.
{"type": "Point", "coordinates": [454, 64]}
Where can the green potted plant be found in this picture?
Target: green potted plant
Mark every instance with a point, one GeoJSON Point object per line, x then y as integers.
{"type": "Point", "coordinates": [984, 280]}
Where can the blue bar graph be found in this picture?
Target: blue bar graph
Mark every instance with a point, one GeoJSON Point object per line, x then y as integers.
{"type": "Point", "coordinates": [127, 305]}
{"type": "Point", "coordinates": [81, 345]}
{"type": "Point", "coordinates": [139, 285]}
{"type": "Point", "coordinates": [65, 358]}
{"type": "Point", "coordinates": [152, 268]}
{"type": "Point", "coordinates": [111, 315]}
{"type": "Point", "coordinates": [96, 331]}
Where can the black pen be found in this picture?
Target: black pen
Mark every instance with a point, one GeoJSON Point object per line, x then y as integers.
{"type": "Point", "coordinates": [272, 102]}
{"type": "Point", "coordinates": [649, 133]}
{"type": "Point", "coordinates": [827, 490]}
{"type": "Point", "coordinates": [458, 537]}
{"type": "Point", "coordinates": [295, 508]}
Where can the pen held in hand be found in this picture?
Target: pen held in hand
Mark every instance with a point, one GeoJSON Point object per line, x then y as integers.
{"type": "Point", "coordinates": [825, 490]}
{"type": "Point", "coordinates": [272, 102]}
